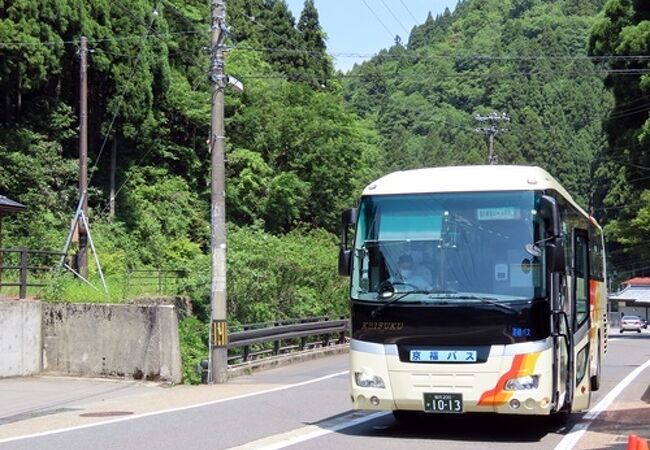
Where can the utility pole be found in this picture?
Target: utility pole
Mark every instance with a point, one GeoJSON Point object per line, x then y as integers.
{"type": "Point", "coordinates": [490, 130]}
{"type": "Point", "coordinates": [219, 327]}
{"type": "Point", "coordinates": [111, 197]}
{"type": "Point", "coordinates": [82, 256]}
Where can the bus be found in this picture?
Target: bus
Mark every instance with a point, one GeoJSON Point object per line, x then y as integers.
{"type": "Point", "coordinates": [473, 289]}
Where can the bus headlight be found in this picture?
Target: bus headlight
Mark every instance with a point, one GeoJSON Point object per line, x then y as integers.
{"type": "Point", "coordinates": [522, 383]}
{"type": "Point", "coordinates": [367, 380]}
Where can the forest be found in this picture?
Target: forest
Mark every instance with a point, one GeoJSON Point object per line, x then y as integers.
{"type": "Point", "coordinates": [303, 139]}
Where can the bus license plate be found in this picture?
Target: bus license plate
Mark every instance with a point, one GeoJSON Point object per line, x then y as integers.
{"type": "Point", "coordinates": [443, 403]}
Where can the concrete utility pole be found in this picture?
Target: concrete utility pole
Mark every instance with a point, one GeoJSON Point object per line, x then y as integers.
{"type": "Point", "coordinates": [82, 256]}
{"type": "Point", "coordinates": [490, 131]}
{"type": "Point", "coordinates": [219, 327]}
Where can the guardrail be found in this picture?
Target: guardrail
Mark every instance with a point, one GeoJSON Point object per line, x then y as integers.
{"type": "Point", "coordinates": [156, 279]}
{"type": "Point", "coordinates": [23, 267]}
{"type": "Point", "coordinates": [264, 340]}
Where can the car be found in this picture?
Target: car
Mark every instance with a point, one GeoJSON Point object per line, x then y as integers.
{"type": "Point", "coordinates": [631, 323]}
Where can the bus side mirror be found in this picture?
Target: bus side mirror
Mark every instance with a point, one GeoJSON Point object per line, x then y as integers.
{"type": "Point", "coordinates": [550, 212]}
{"type": "Point", "coordinates": [555, 256]}
{"type": "Point", "coordinates": [348, 219]}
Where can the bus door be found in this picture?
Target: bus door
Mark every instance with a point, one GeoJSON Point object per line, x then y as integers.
{"type": "Point", "coordinates": [580, 321]}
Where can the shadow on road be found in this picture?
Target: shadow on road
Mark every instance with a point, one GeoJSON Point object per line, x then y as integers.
{"type": "Point", "coordinates": [474, 427]}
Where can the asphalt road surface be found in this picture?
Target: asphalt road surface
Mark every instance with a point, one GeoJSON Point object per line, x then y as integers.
{"type": "Point", "coordinates": [307, 406]}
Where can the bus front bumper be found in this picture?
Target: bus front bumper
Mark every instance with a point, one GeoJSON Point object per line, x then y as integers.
{"type": "Point", "coordinates": [380, 381]}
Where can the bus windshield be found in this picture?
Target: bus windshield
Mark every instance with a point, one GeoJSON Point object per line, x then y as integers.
{"type": "Point", "coordinates": [456, 247]}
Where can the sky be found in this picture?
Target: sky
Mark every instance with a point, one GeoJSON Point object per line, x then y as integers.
{"type": "Point", "coordinates": [363, 27]}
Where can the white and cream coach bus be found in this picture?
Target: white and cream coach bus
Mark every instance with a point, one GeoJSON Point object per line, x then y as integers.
{"type": "Point", "coordinates": [474, 289]}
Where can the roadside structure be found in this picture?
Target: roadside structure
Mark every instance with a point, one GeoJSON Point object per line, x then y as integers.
{"type": "Point", "coordinates": [7, 206]}
{"type": "Point", "coordinates": [632, 299]}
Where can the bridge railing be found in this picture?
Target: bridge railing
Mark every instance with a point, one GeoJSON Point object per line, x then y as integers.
{"type": "Point", "coordinates": [253, 342]}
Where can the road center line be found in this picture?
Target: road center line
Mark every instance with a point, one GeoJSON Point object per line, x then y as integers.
{"type": "Point", "coordinates": [173, 410]}
{"type": "Point", "coordinates": [578, 430]}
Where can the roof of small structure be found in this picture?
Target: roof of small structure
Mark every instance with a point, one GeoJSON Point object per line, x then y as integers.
{"type": "Point", "coordinates": [10, 206]}
{"type": "Point", "coordinates": [638, 281]}
{"type": "Point", "coordinates": [640, 294]}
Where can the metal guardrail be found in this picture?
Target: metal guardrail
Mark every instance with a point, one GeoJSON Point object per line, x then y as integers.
{"type": "Point", "coordinates": [23, 267]}
{"type": "Point", "coordinates": [156, 278]}
{"type": "Point", "coordinates": [269, 339]}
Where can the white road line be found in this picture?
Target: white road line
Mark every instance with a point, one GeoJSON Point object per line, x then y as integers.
{"type": "Point", "coordinates": [172, 410]}
{"type": "Point", "coordinates": [576, 433]}
{"type": "Point", "coordinates": [307, 433]}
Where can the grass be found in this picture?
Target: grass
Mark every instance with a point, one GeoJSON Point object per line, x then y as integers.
{"type": "Point", "coordinates": [64, 287]}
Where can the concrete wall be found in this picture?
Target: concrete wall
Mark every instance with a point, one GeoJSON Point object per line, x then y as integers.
{"type": "Point", "coordinates": [94, 340]}
{"type": "Point", "coordinates": [20, 338]}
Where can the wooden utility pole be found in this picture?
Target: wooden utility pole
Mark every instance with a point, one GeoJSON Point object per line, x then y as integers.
{"type": "Point", "coordinates": [82, 256]}
{"type": "Point", "coordinates": [111, 198]}
{"type": "Point", "coordinates": [219, 328]}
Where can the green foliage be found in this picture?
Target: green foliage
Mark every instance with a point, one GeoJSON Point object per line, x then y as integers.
{"type": "Point", "coordinates": [164, 217]}
{"type": "Point", "coordinates": [272, 278]}
{"type": "Point", "coordinates": [623, 31]}
{"type": "Point", "coordinates": [194, 347]}
{"type": "Point", "coordinates": [298, 146]}
{"type": "Point", "coordinates": [34, 171]}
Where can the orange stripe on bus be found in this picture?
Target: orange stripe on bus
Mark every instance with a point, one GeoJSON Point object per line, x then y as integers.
{"type": "Point", "coordinates": [522, 365]}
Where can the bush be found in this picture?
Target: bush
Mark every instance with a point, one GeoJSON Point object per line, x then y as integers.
{"type": "Point", "coordinates": [194, 347]}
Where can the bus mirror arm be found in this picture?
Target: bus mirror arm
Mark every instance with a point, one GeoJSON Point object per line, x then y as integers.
{"type": "Point", "coordinates": [348, 219]}
{"type": "Point", "coordinates": [549, 211]}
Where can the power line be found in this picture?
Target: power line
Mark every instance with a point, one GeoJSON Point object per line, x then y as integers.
{"type": "Point", "coordinates": [395, 17]}
{"type": "Point", "coordinates": [390, 33]}
{"type": "Point", "coordinates": [409, 11]}
{"type": "Point", "coordinates": [128, 177]}
{"type": "Point", "coordinates": [604, 58]}
{"type": "Point", "coordinates": [98, 40]}
{"type": "Point", "coordinates": [638, 99]}
{"type": "Point", "coordinates": [122, 93]}
{"type": "Point", "coordinates": [457, 57]}
{"type": "Point", "coordinates": [294, 48]}
{"type": "Point", "coordinates": [629, 112]}
{"type": "Point", "coordinates": [436, 77]}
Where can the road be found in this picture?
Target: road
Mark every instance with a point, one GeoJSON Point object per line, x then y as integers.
{"type": "Point", "coordinates": [306, 406]}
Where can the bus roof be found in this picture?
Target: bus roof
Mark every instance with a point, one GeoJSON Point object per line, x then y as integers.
{"type": "Point", "coordinates": [468, 179]}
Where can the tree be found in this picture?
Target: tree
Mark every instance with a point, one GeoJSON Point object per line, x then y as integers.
{"type": "Point", "coordinates": [317, 65]}
{"type": "Point", "coordinates": [621, 33]}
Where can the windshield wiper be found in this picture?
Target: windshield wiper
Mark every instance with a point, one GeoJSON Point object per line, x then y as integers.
{"type": "Point", "coordinates": [486, 300]}
{"type": "Point", "coordinates": [375, 312]}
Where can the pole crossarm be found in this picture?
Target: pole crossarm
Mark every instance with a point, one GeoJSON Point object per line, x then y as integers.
{"type": "Point", "coordinates": [490, 130]}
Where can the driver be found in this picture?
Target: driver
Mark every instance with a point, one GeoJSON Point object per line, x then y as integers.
{"type": "Point", "coordinates": [412, 277]}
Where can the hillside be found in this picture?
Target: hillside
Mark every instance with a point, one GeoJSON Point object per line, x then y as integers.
{"type": "Point", "coordinates": [524, 58]}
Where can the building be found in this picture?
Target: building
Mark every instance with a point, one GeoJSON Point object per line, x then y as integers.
{"type": "Point", "coordinates": [7, 206]}
{"type": "Point", "coordinates": [632, 299]}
